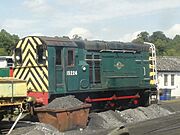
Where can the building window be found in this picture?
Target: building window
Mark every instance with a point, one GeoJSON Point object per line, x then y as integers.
{"type": "Point", "coordinates": [165, 80]}
{"type": "Point", "coordinates": [18, 56]}
{"type": "Point", "coordinates": [172, 79]}
{"type": "Point", "coordinates": [70, 61]}
{"type": "Point", "coordinates": [58, 56]}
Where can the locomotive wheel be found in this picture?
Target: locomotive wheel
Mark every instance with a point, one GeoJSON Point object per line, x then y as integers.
{"type": "Point", "coordinates": [145, 99]}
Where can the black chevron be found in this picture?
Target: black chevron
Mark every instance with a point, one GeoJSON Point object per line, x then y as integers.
{"type": "Point", "coordinates": [30, 81]}
{"type": "Point", "coordinates": [36, 81]}
{"type": "Point", "coordinates": [32, 69]}
{"type": "Point", "coordinates": [24, 68]}
{"type": "Point", "coordinates": [29, 53]}
{"type": "Point", "coordinates": [28, 42]}
{"type": "Point", "coordinates": [41, 76]}
{"type": "Point", "coordinates": [37, 74]}
{"type": "Point", "coordinates": [21, 43]}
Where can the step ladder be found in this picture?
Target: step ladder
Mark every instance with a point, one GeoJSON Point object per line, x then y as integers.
{"type": "Point", "coordinates": [153, 72]}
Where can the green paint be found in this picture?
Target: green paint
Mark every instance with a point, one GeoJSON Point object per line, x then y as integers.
{"type": "Point", "coordinates": [56, 82]}
{"type": "Point", "coordinates": [4, 72]}
{"type": "Point", "coordinates": [124, 70]}
{"type": "Point", "coordinates": [118, 71]}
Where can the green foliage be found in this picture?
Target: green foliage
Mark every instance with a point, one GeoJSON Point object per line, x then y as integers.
{"type": "Point", "coordinates": [7, 41]}
{"type": "Point", "coordinates": [3, 51]}
{"type": "Point", "coordinates": [164, 45]}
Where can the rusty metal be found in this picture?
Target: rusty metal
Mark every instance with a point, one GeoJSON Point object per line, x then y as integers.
{"type": "Point", "coordinates": [64, 119]}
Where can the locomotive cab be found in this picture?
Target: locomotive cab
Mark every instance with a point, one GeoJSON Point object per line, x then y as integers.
{"type": "Point", "coordinates": [68, 71]}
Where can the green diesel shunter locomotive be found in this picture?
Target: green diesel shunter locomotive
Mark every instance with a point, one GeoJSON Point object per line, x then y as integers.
{"type": "Point", "coordinates": [106, 74]}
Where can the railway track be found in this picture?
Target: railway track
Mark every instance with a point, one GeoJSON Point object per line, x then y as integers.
{"type": "Point", "coordinates": [168, 125]}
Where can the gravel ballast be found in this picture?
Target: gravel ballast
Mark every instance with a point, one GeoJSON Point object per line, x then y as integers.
{"type": "Point", "coordinates": [132, 115]}
{"type": "Point", "coordinates": [117, 118]}
{"type": "Point", "coordinates": [154, 111]}
{"type": "Point", "coordinates": [100, 123]}
{"type": "Point", "coordinates": [36, 129]}
{"type": "Point", "coordinates": [143, 113]}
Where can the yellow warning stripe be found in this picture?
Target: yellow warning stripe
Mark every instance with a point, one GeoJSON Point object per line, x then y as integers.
{"type": "Point", "coordinates": [19, 73]}
{"type": "Point", "coordinates": [151, 66]}
{"type": "Point", "coordinates": [19, 43]}
{"type": "Point", "coordinates": [152, 81]}
{"type": "Point", "coordinates": [37, 68]}
{"type": "Point", "coordinates": [32, 42]}
{"type": "Point", "coordinates": [38, 40]}
{"type": "Point", "coordinates": [152, 74]}
{"type": "Point", "coordinates": [25, 72]}
{"type": "Point", "coordinates": [38, 79]}
{"type": "Point", "coordinates": [40, 72]}
{"type": "Point", "coordinates": [29, 57]}
{"type": "Point", "coordinates": [24, 44]}
{"type": "Point", "coordinates": [15, 71]}
{"type": "Point", "coordinates": [34, 81]}
{"type": "Point", "coordinates": [152, 58]}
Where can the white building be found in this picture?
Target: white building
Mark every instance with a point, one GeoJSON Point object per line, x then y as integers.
{"type": "Point", "coordinates": [169, 74]}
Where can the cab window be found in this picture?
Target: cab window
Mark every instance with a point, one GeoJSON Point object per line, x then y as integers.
{"type": "Point", "coordinates": [41, 54]}
{"type": "Point", "coordinates": [18, 56]}
{"type": "Point", "coordinates": [70, 59]}
{"type": "Point", "coordinates": [58, 56]}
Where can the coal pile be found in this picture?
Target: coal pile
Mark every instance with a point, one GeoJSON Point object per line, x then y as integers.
{"type": "Point", "coordinates": [64, 103]}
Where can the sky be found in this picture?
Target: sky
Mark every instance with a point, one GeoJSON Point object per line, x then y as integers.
{"type": "Point", "coordinates": [91, 19]}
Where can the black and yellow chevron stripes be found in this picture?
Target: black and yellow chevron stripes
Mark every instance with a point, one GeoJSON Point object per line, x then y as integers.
{"type": "Point", "coordinates": [30, 70]}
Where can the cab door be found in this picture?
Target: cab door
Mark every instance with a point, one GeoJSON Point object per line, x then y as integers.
{"type": "Point", "coordinates": [71, 67]}
{"type": "Point", "coordinates": [59, 69]}
{"type": "Point", "coordinates": [56, 70]}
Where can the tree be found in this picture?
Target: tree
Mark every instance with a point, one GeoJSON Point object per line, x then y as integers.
{"type": "Point", "coordinates": [164, 45]}
{"type": "Point", "coordinates": [175, 46]}
{"type": "Point", "coordinates": [161, 46]}
{"type": "Point", "coordinates": [7, 41]}
{"type": "Point", "coordinates": [142, 37]}
{"type": "Point", "coordinates": [158, 35]}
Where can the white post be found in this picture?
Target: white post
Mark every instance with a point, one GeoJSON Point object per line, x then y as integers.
{"type": "Point", "coordinates": [15, 123]}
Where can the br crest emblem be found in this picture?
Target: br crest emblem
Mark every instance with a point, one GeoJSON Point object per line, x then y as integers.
{"type": "Point", "coordinates": [119, 65]}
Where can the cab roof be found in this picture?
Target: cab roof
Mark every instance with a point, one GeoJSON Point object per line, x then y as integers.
{"type": "Point", "coordinates": [94, 45]}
